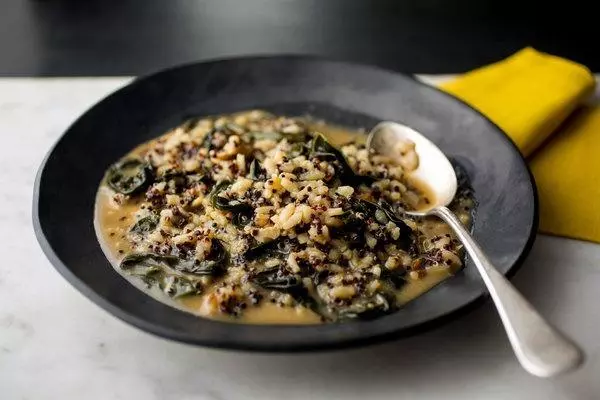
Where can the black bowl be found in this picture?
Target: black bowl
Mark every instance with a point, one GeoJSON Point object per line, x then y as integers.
{"type": "Point", "coordinates": [347, 94]}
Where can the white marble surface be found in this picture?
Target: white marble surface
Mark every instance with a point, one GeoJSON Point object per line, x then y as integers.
{"type": "Point", "coordinates": [56, 344]}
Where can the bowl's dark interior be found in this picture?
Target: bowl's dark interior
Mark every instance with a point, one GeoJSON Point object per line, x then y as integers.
{"type": "Point", "coordinates": [346, 94]}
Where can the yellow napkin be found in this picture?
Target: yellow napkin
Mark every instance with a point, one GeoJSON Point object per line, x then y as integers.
{"type": "Point", "coordinates": [530, 95]}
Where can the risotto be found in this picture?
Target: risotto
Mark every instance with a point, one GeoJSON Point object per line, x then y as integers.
{"type": "Point", "coordinates": [259, 218]}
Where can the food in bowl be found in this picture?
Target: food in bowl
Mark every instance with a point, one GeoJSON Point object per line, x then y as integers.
{"type": "Point", "coordinates": [258, 218]}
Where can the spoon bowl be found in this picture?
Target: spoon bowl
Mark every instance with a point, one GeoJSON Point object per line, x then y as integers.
{"type": "Point", "coordinates": [434, 168]}
{"type": "Point", "coordinates": [540, 348]}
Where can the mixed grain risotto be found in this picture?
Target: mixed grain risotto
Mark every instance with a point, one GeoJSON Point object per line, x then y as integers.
{"type": "Point", "coordinates": [259, 218]}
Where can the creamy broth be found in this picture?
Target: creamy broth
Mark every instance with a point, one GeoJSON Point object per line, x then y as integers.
{"type": "Point", "coordinates": [113, 222]}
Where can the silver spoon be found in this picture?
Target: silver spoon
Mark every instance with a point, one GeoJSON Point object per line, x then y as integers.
{"type": "Point", "coordinates": [540, 348]}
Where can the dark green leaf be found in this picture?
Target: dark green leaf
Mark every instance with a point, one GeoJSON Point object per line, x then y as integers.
{"type": "Point", "coordinates": [234, 206]}
{"type": "Point", "coordinates": [321, 148]}
{"type": "Point", "coordinates": [365, 207]}
{"type": "Point", "coordinates": [354, 221]}
{"type": "Point", "coordinates": [260, 250]}
{"type": "Point", "coordinates": [320, 145]}
{"type": "Point", "coordinates": [242, 212]}
{"type": "Point", "coordinates": [222, 203]}
{"type": "Point", "coordinates": [389, 212]}
{"type": "Point", "coordinates": [219, 187]}
{"type": "Point", "coordinates": [177, 286]}
{"type": "Point", "coordinates": [276, 279]}
{"type": "Point", "coordinates": [150, 279]}
{"type": "Point", "coordinates": [396, 277]}
{"type": "Point", "coordinates": [353, 228]}
{"type": "Point", "coordinates": [405, 230]}
{"type": "Point", "coordinates": [217, 201]}
{"type": "Point", "coordinates": [147, 259]}
{"type": "Point", "coordinates": [155, 269]}
{"type": "Point", "coordinates": [215, 264]}
{"type": "Point", "coordinates": [146, 224]}
{"type": "Point", "coordinates": [298, 149]}
{"type": "Point", "coordinates": [145, 271]}
{"type": "Point", "coordinates": [149, 267]}
{"type": "Point", "coordinates": [278, 246]}
{"type": "Point", "coordinates": [129, 176]}
{"type": "Point", "coordinates": [281, 281]}
{"type": "Point", "coordinates": [257, 173]}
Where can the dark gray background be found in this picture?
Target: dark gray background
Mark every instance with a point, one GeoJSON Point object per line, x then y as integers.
{"type": "Point", "coordinates": [134, 37]}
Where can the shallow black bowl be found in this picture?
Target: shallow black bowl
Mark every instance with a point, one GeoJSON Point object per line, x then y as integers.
{"type": "Point", "coordinates": [342, 93]}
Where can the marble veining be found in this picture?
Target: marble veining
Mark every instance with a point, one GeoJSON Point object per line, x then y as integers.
{"type": "Point", "coordinates": [54, 343]}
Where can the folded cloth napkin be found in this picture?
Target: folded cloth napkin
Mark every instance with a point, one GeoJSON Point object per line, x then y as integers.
{"type": "Point", "coordinates": [537, 100]}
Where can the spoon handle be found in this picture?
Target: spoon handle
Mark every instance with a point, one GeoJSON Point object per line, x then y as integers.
{"type": "Point", "coordinates": [540, 348]}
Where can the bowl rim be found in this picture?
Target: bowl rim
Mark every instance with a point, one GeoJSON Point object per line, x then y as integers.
{"type": "Point", "coordinates": [370, 338]}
